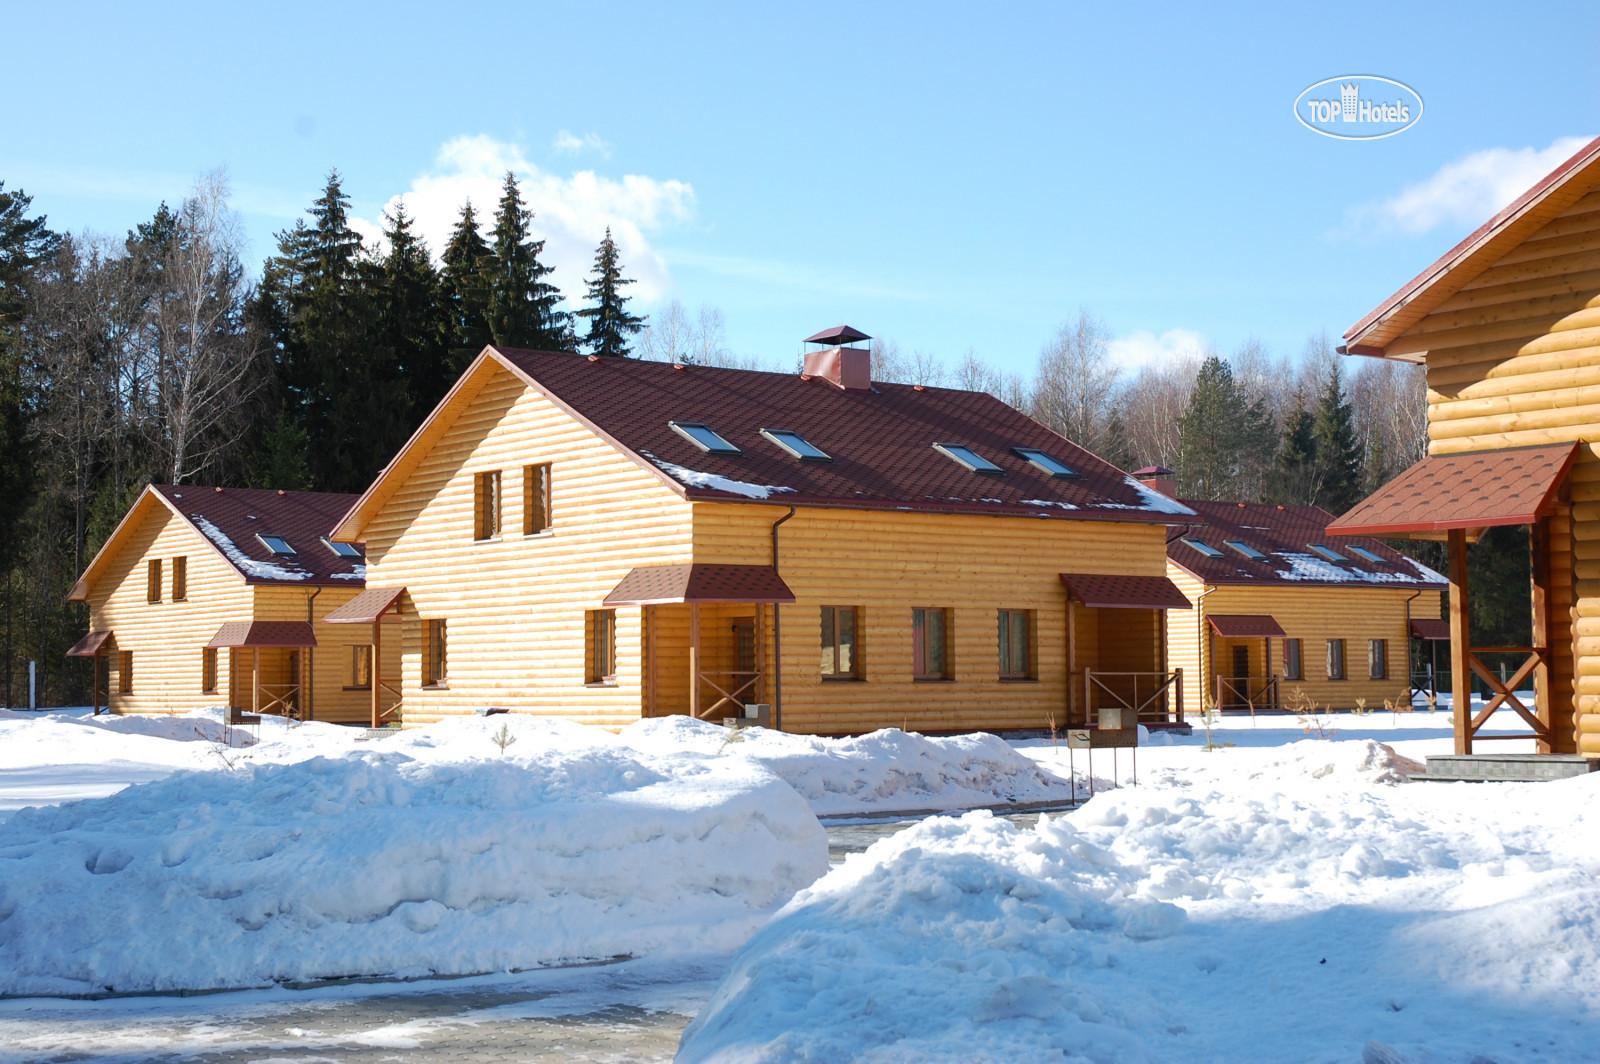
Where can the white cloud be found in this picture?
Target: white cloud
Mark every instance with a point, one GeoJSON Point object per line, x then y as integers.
{"type": "Point", "coordinates": [1467, 192]}
{"type": "Point", "coordinates": [569, 143]}
{"type": "Point", "coordinates": [570, 213]}
{"type": "Point", "coordinates": [1144, 348]}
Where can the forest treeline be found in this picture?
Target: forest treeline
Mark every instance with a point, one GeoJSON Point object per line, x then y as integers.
{"type": "Point", "coordinates": [163, 357]}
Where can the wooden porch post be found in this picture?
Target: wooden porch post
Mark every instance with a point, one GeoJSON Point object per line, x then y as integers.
{"type": "Point", "coordinates": [760, 690]}
{"type": "Point", "coordinates": [694, 660]}
{"type": "Point", "coordinates": [375, 673]}
{"type": "Point", "coordinates": [97, 683]}
{"type": "Point", "coordinates": [1539, 542]}
{"type": "Point", "coordinates": [1072, 657]}
{"type": "Point", "coordinates": [647, 621]}
{"type": "Point", "coordinates": [1460, 647]}
{"type": "Point", "coordinates": [255, 680]}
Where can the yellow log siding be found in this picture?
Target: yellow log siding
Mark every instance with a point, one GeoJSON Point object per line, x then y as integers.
{"type": "Point", "coordinates": [514, 607]}
{"type": "Point", "coordinates": [1513, 359]}
{"type": "Point", "coordinates": [890, 562]}
{"type": "Point", "coordinates": [1186, 644]}
{"type": "Point", "coordinates": [332, 697]}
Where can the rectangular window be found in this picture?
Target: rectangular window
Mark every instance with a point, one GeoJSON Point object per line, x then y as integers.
{"type": "Point", "coordinates": [1336, 659]}
{"type": "Point", "coordinates": [361, 666]}
{"type": "Point", "coordinates": [601, 647]}
{"type": "Point", "coordinates": [930, 644]}
{"type": "Point", "coordinates": [841, 652]}
{"type": "Point", "coordinates": [208, 670]}
{"type": "Point", "coordinates": [1293, 666]}
{"type": "Point", "coordinates": [125, 671]}
{"type": "Point", "coordinates": [152, 580]}
{"type": "Point", "coordinates": [488, 505]}
{"type": "Point", "coordinates": [1378, 659]}
{"type": "Point", "coordinates": [435, 665]}
{"type": "Point", "coordinates": [1016, 644]}
{"type": "Point", "coordinates": [535, 499]}
{"type": "Point", "coordinates": [180, 579]}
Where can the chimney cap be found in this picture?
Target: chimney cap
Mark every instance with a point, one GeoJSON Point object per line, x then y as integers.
{"type": "Point", "coordinates": [839, 334]}
{"type": "Point", "coordinates": [1153, 471]}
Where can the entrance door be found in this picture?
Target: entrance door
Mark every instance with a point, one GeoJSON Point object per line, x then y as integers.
{"type": "Point", "coordinates": [1241, 674]}
{"type": "Point", "coordinates": [744, 643]}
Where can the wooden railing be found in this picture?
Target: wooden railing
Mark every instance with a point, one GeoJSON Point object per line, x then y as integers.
{"type": "Point", "coordinates": [278, 699]}
{"type": "Point", "coordinates": [1141, 705]}
{"type": "Point", "coordinates": [1248, 692]}
{"type": "Point", "coordinates": [735, 696]}
{"type": "Point", "coordinates": [393, 712]}
{"type": "Point", "coordinates": [1505, 690]}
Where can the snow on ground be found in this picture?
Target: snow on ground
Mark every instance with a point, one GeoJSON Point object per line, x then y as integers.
{"type": "Point", "coordinates": [1283, 899]}
{"type": "Point", "coordinates": [883, 772]}
{"type": "Point", "coordinates": [430, 853]}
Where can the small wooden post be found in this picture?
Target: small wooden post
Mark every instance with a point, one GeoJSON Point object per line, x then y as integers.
{"type": "Point", "coordinates": [97, 683]}
{"type": "Point", "coordinates": [255, 680]}
{"type": "Point", "coordinates": [648, 622]}
{"type": "Point", "coordinates": [760, 691]}
{"type": "Point", "coordinates": [694, 660]}
{"type": "Point", "coordinates": [1460, 640]}
{"type": "Point", "coordinates": [1072, 657]}
{"type": "Point", "coordinates": [375, 670]}
{"type": "Point", "coordinates": [1539, 541]}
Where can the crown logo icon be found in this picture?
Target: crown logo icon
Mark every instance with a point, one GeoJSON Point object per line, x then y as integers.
{"type": "Point", "coordinates": [1347, 98]}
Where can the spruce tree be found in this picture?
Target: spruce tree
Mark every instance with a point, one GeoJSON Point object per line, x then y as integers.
{"type": "Point", "coordinates": [411, 320]}
{"type": "Point", "coordinates": [24, 243]}
{"type": "Point", "coordinates": [524, 309]}
{"type": "Point", "coordinates": [465, 290]}
{"type": "Point", "coordinates": [1297, 475]}
{"type": "Point", "coordinates": [1209, 433]}
{"type": "Point", "coordinates": [610, 324]}
{"type": "Point", "coordinates": [1338, 454]}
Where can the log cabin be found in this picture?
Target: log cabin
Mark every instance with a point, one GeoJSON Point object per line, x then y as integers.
{"type": "Point", "coordinates": [205, 597]}
{"type": "Point", "coordinates": [1283, 615]}
{"type": "Point", "coordinates": [605, 539]}
{"type": "Point", "coordinates": [1507, 326]}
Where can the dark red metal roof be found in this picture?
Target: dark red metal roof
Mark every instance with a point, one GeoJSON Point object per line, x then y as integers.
{"type": "Point", "coordinates": [1102, 591]}
{"type": "Point", "coordinates": [1472, 489]}
{"type": "Point", "coordinates": [366, 607]}
{"type": "Point", "coordinates": [89, 645]}
{"type": "Point", "coordinates": [1284, 535]}
{"type": "Point", "coordinates": [232, 518]}
{"type": "Point", "coordinates": [1430, 628]}
{"type": "Point", "coordinates": [839, 334]}
{"type": "Point", "coordinates": [1245, 625]}
{"type": "Point", "coordinates": [263, 634]}
{"type": "Point", "coordinates": [881, 441]}
{"type": "Point", "coordinates": [699, 582]}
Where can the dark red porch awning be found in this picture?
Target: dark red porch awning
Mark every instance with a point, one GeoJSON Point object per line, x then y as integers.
{"type": "Point", "coordinates": [366, 607]}
{"type": "Point", "coordinates": [1430, 628]}
{"type": "Point", "coordinates": [89, 645]}
{"type": "Point", "coordinates": [1246, 626]}
{"type": "Point", "coordinates": [1100, 591]}
{"type": "Point", "coordinates": [1473, 489]}
{"type": "Point", "coordinates": [699, 582]}
{"type": "Point", "coordinates": [262, 634]}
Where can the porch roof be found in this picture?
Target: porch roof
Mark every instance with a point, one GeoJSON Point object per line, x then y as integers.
{"type": "Point", "coordinates": [1103, 591]}
{"type": "Point", "coordinates": [366, 607]}
{"type": "Point", "coordinates": [1246, 626]}
{"type": "Point", "coordinates": [1472, 489]}
{"type": "Point", "coordinates": [263, 634]}
{"type": "Point", "coordinates": [699, 582]}
{"type": "Point", "coordinates": [89, 645]}
{"type": "Point", "coordinates": [1430, 628]}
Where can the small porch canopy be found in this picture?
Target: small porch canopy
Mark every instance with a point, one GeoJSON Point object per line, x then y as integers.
{"type": "Point", "coordinates": [1454, 497]}
{"type": "Point", "coordinates": [282, 635]}
{"type": "Point", "coordinates": [369, 607]}
{"type": "Point", "coordinates": [1139, 693]}
{"type": "Point", "coordinates": [1100, 591]}
{"type": "Point", "coordinates": [1252, 692]}
{"type": "Point", "coordinates": [1430, 629]}
{"type": "Point", "coordinates": [92, 646]}
{"type": "Point", "coordinates": [699, 583]}
{"type": "Point", "coordinates": [1246, 626]}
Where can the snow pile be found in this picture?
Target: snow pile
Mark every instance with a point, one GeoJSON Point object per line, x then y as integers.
{"type": "Point", "coordinates": [1274, 905]}
{"type": "Point", "coordinates": [437, 856]}
{"type": "Point", "coordinates": [885, 771]}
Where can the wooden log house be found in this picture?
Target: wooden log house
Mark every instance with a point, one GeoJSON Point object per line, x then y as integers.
{"type": "Point", "coordinates": [1507, 324]}
{"type": "Point", "coordinates": [605, 539]}
{"type": "Point", "coordinates": [207, 597]}
{"type": "Point", "coordinates": [1282, 613]}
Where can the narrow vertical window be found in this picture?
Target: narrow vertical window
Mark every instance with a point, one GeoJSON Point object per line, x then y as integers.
{"type": "Point", "coordinates": [1293, 669]}
{"type": "Point", "coordinates": [152, 580]}
{"type": "Point", "coordinates": [125, 672]}
{"type": "Point", "coordinates": [435, 665]}
{"type": "Point", "coordinates": [535, 499]}
{"type": "Point", "coordinates": [841, 657]}
{"type": "Point", "coordinates": [930, 644]}
{"type": "Point", "coordinates": [208, 670]}
{"type": "Point", "coordinates": [488, 505]}
{"type": "Point", "coordinates": [361, 666]}
{"type": "Point", "coordinates": [1016, 644]}
{"type": "Point", "coordinates": [1378, 659]}
{"type": "Point", "coordinates": [601, 647]}
{"type": "Point", "coordinates": [1336, 659]}
{"type": "Point", "coordinates": [180, 579]}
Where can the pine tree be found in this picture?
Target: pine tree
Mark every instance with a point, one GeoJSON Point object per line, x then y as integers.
{"type": "Point", "coordinates": [24, 244]}
{"type": "Point", "coordinates": [524, 309]}
{"type": "Point", "coordinates": [610, 324]}
{"type": "Point", "coordinates": [465, 291]}
{"type": "Point", "coordinates": [1297, 479]}
{"type": "Point", "coordinates": [1209, 433]}
{"type": "Point", "coordinates": [411, 320]}
{"type": "Point", "coordinates": [1338, 454]}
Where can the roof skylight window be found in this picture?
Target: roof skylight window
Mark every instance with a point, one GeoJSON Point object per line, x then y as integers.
{"type": "Point", "coordinates": [1363, 552]}
{"type": "Point", "coordinates": [1247, 550]}
{"type": "Point", "coordinates": [968, 457]}
{"type": "Point", "coordinates": [1204, 548]}
{"type": "Point", "coordinates": [1328, 552]}
{"type": "Point", "coordinates": [1043, 462]}
{"type": "Point", "coordinates": [797, 445]}
{"type": "Point", "coordinates": [703, 437]}
{"type": "Point", "coordinates": [343, 550]}
{"type": "Point", "coordinates": [276, 544]}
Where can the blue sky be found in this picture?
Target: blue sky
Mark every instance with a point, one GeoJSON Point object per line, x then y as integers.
{"type": "Point", "coordinates": [947, 176]}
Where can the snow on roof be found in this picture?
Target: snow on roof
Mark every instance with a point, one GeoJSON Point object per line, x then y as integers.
{"type": "Point", "coordinates": [1150, 500]}
{"type": "Point", "coordinates": [1321, 571]}
{"type": "Point", "coordinates": [714, 481]}
{"type": "Point", "coordinates": [248, 565]}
